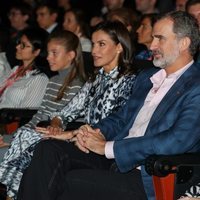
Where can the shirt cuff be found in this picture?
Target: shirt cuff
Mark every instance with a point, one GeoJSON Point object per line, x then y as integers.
{"type": "Point", "coordinates": [109, 152]}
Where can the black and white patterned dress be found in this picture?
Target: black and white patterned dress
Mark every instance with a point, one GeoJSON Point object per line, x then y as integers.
{"type": "Point", "coordinates": [94, 101]}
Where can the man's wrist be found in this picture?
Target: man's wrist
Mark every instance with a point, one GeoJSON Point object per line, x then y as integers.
{"type": "Point", "coordinates": [109, 152]}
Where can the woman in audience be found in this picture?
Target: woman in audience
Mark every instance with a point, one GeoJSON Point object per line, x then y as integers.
{"type": "Point", "coordinates": [64, 56]}
{"type": "Point", "coordinates": [20, 17]}
{"type": "Point", "coordinates": [145, 36]}
{"type": "Point", "coordinates": [75, 21]}
{"type": "Point", "coordinates": [24, 85]}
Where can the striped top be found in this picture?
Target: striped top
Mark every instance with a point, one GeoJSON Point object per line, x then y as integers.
{"type": "Point", "coordinates": [26, 92]}
{"type": "Point", "coordinates": [49, 105]}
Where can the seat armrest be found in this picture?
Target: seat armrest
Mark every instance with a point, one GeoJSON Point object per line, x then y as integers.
{"type": "Point", "coordinates": [162, 165]}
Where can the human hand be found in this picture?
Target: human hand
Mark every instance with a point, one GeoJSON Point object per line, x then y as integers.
{"type": "Point", "coordinates": [49, 130]}
{"type": "Point", "coordinates": [79, 139]}
{"type": "Point", "coordinates": [64, 135]}
{"type": "Point", "coordinates": [56, 122]}
{"type": "Point", "coordinates": [55, 127]}
{"type": "Point", "coordinates": [86, 128]}
{"type": "Point", "coordinates": [79, 133]}
{"type": "Point", "coordinates": [94, 141]}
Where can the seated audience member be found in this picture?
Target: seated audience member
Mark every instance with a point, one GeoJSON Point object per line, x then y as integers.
{"type": "Point", "coordinates": [144, 36]}
{"type": "Point", "coordinates": [46, 17]}
{"type": "Point", "coordinates": [193, 8]}
{"type": "Point", "coordinates": [25, 84]}
{"type": "Point", "coordinates": [20, 16]}
{"type": "Point", "coordinates": [161, 117]}
{"type": "Point", "coordinates": [64, 56]}
{"type": "Point", "coordinates": [75, 21]}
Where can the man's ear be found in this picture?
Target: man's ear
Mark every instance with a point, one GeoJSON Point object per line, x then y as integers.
{"type": "Point", "coordinates": [184, 43]}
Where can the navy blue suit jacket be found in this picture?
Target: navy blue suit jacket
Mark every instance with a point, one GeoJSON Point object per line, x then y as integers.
{"type": "Point", "coordinates": [173, 128]}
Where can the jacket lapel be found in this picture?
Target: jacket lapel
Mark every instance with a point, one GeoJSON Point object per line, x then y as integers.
{"type": "Point", "coordinates": [173, 94]}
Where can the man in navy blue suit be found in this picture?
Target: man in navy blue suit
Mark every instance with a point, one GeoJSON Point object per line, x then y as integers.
{"type": "Point", "coordinates": [161, 117]}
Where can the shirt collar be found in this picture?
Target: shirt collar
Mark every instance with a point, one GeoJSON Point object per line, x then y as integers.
{"type": "Point", "coordinates": [112, 74]}
{"type": "Point", "coordinates": [161, 75]}
{"type": "Point", "coordinates": [50, 29]}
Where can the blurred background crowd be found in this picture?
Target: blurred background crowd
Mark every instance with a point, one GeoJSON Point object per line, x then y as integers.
{"type": "Point", "coordinates": [15, 15]}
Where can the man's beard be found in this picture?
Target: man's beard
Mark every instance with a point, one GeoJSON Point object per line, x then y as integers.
{"type": "Point", "coordinates": [164, 61]}
{"type": "Point", "coordinates": [159, 63]}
